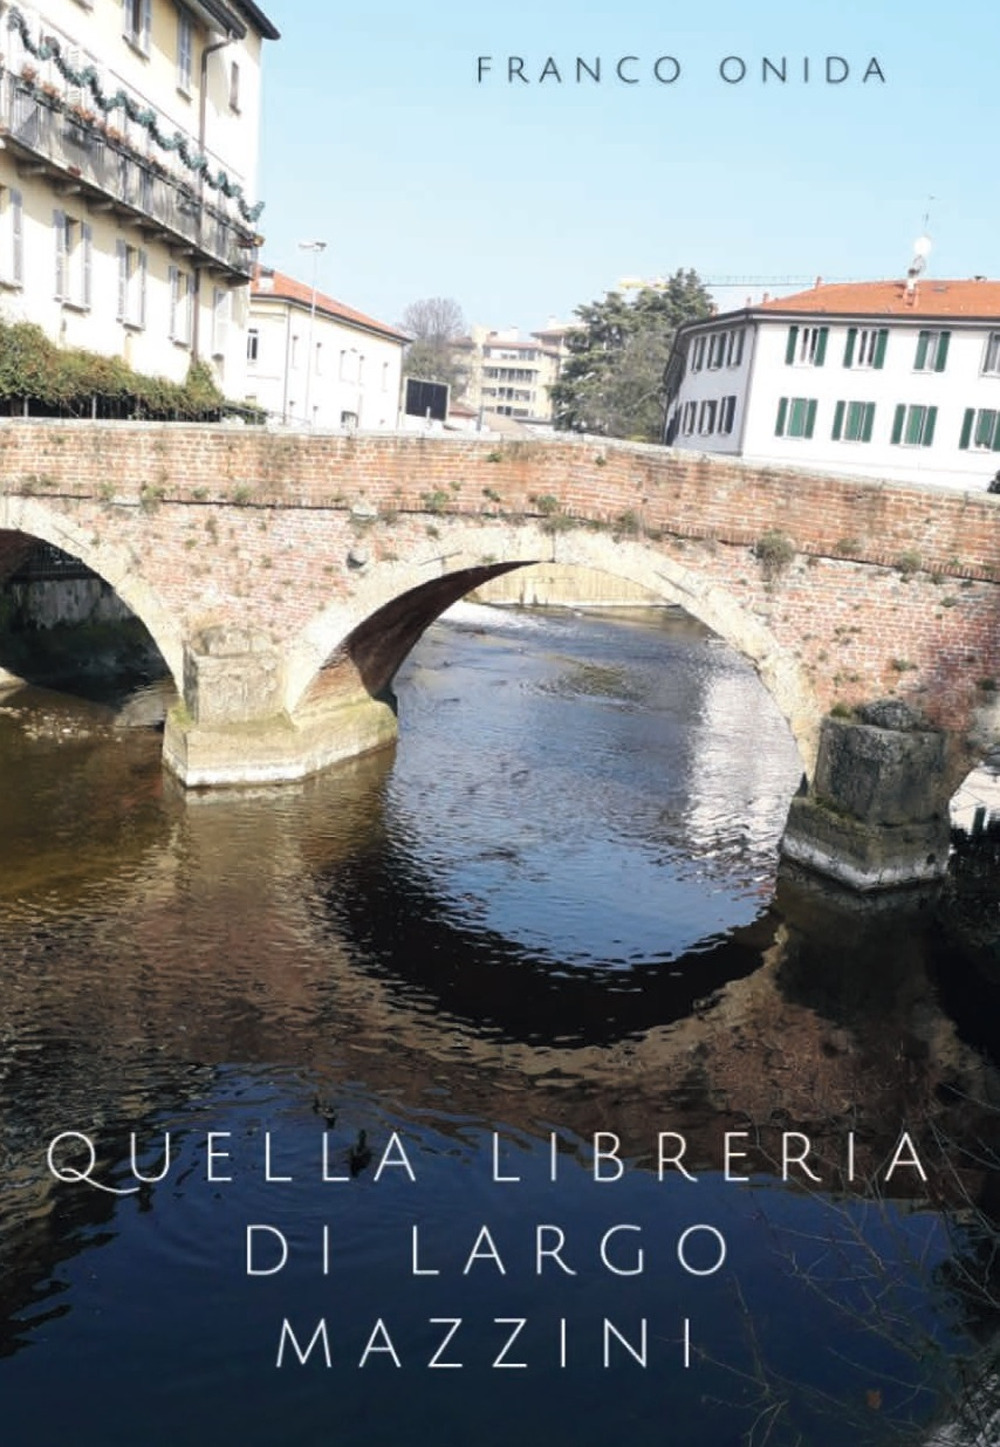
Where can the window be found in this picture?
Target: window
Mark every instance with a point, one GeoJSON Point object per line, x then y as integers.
{"type": "Point", "coordinates": [11, 237]}
{"type": "Point", "coordinates": [865, 347]}
{"type": "Point", "coordinates": [181, 305]}
{"type": "Point", "coordinates": [222, 299]}
{"type": "Point", "coordinates": [690, 412]}
{"type": "Point", "coordinates": [932, 351]}
{"type": "Point", "coordinates": [294, 357]}
{"type": "Point", "coordinates": [697, 354]}
{"type": "Point", "coordinates": [132, 269]}
{"type": "Point", "coordinates": [981, 429]}
{"type": "Point", "coordinates": [234, 86]}
{"type": "Point", "coordinates": [796, 417]}
{"type": "Point", "coordinates": [136, 19]}
{"type": "Point", "coordinates": [185, 50]}
{"type": "Point", "coordinates": [74, 247]}
{"type": "Point", "coordinates": [385, 376]}
{"type": "Point", "coordinates": [853, 421]}
{"type": "Point", "coordinates": [717, 349]}
{"type": "Point", "coordinates": [253, 345]}
{"type": "Point", "coordinates": [806, 346]}
{"type": "Point", "coordinates": [727, 414]}
{"type": "Point", "coordinates": [734, 352]}
{"type": "Point", "coordinates": [707, 416]}
{"type": "Point", "coordinates": [913, 426]}
{"type": "Point", "coordinates": [318, 361]}
{"type": "Point", "coordinates": [991, 361]}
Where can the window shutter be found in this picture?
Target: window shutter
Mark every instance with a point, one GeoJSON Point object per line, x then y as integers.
{"type": "Point", "coordinates": [127, 19]}
{"type": "Point", "coordinates": [143, 268]}
{"type": "Point", "coordinates": [810, 417]}
{"type": "Point", "coordinates": [17, 238]}
{"type": "Point", "coordinates": [838, 421]}
{"type": "Point", "coordinates": [59, 231]}
{"type": "Point", "coordinates": [942, 352]}
{"type": "Point", "coordinates": [174, 275]}
{"type": "Point", "coordinates": [996, 435]}
{"type": "Point", "coordinates": [122, 252]}
{"type": "Point", "coordinates": [824, 332]}
{"type": "Point", "coordinates": [920, 361]}
{"type": "Point", "coordinates": [868, 422]}
{"type": "Point", "coordinates": [221, 327]}
{"type": "Point", "coordinates": [793, 336]}
{"type": "Point", "coordinates": [87, 242]}
{"type": "Point", "coordinates": [967, 421]}
{"type": "Point", "coordinates": [928, 436]}
{"type": "Point", "coordinates": [147, 24]}
{"type": "Point", "coordinates": [897, 423]}
{"type": "Point", "coordinates": [852, 337]}
{"type": "Point", "coordinates": [880, 344]}
{"type": "Point", "coordinates": [779, 430]}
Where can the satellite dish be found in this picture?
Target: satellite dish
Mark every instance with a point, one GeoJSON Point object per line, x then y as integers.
{"type": "Point", "coordinates": [922, 247]}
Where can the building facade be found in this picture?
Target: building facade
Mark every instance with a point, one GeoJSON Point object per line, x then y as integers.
{"type": "Point", "coordinates": [885, 379]}
{"type": "Point", "coordinates": [508, 375]}
{"type": "Point", "coordinates": [129, 134]}
{"type": "Point", "coordinates": [313, 362]}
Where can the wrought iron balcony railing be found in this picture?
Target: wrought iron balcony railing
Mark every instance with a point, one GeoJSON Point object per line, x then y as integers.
{"type": "Point", "coordinates": [86, 155]}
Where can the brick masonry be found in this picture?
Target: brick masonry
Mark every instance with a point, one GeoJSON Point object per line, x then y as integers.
{"type": "Point", "coordinates": [884, 588]}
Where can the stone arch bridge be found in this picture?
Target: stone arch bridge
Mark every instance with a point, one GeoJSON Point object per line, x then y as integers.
{"type": "Point", "coordinates": [285, 577]}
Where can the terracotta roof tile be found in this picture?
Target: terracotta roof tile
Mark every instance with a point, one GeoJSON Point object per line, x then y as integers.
{"type": "Point", "coordinates": [280, 287]}
{"type": "Point", "coordinates": [930, 298]}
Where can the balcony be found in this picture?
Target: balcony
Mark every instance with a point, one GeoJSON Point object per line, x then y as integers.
{"type": "Point", "coordinates": [80, 154]}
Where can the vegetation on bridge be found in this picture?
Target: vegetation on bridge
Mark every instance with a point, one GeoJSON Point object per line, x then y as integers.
{"type": "Point", "coordinates": [39, 378]}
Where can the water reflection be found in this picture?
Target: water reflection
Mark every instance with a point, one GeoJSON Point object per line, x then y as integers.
{"type": "Point", "coordinates": [432, 947]}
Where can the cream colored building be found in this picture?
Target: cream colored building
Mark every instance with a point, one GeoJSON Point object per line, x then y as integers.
{"type": "Point", "coordinates": [314, 362]}
{"type": "Point", "coordinates": [128, 170]}
{"type": "Point", "coordinates": [509, 375]}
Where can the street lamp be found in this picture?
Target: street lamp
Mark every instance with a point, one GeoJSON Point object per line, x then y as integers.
{"type": "Point", "coordinates": [315, 247]}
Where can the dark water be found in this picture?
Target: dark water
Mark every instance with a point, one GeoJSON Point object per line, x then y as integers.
{"type": "Point", "coordinates": [550, 918]}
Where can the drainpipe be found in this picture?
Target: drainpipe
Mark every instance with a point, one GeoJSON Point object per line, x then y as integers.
{"type": "Point", "coordinates": [202, 123]}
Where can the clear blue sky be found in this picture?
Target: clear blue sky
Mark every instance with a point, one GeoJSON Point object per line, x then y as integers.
{"type": "Point", "coordinates": [523, 200]}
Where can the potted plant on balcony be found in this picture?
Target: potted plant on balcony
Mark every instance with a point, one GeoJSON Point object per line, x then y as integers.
{"type": "Point", "coordinates": [29, 74]}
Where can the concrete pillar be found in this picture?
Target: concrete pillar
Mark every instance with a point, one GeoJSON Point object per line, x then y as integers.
{"type": "Point", "coordinates": [876, 815]}
{"type": "Point", "coordinates": [232, 728]}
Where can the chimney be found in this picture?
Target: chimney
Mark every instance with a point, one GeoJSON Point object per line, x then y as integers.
{"type": "Point", "coordinates": [818, 283]}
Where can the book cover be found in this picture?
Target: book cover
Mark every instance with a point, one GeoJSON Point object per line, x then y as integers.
{"type": "Point", "coordinates": [495, 1085]}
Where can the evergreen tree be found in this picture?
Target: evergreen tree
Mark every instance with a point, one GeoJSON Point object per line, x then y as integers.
{"type": "Point", "coordinates": [612, 382]}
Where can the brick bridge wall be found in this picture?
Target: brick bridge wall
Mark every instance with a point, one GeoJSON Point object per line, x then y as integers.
{"type": "Point", "coordinates": [890, 589]}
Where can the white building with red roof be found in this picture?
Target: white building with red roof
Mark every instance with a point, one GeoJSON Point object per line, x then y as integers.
{"type": "Point", "coordinates": [314, 362]}
{"type": "Point", "coordinates": [894, 379]}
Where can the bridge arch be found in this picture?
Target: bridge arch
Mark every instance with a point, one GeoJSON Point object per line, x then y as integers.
{"type": "Point", "coordinates": [393, 606]}
{"type": "Point", "coordinates": [117, 565]}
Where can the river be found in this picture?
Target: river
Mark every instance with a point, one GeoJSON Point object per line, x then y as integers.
{"type": "Point", "coordinates": [492, 1077]}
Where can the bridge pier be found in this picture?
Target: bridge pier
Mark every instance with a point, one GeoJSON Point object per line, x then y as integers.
{"type": "Point", "coordinates": [876, 814]}
{"type": "Point", "coordinates": [232, 728]}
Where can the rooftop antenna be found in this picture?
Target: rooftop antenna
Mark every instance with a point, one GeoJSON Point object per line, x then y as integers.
{"type": "Point", "coordinates": [921, 251]}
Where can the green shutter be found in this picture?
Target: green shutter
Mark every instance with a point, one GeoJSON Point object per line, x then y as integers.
{"type": "Point", "coordinates": [810, 416]}
{"type": "Point", "coordinates": [897, 423]}
{"type": "Point", "coordinates": [852, 337]}
{"type": "Point", "coordinates": [880, 344]}
{"type": "Point", "coordinates": [779, 430]}
{"type": "Point", "coordinates": [793, 336]}
{"type": "Point", "coordinates": [985, 422]}
{"type": "Point", "coordinates": [996, 435]}
{"type": "Point", "coordinates": [824, 332]}
{"type": "Point", "coordinates": [967, 421]}
{"type": "Point", "coordinates": [838, 421]}
{"type": "Point", "coordinates": [868, 422]}
{"type": "Point", "coordinates": [920, 361]}
{"type": "Point", "coordinates": [928, 436]}
{"type": "Point", "coordinates": [942, 351]}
